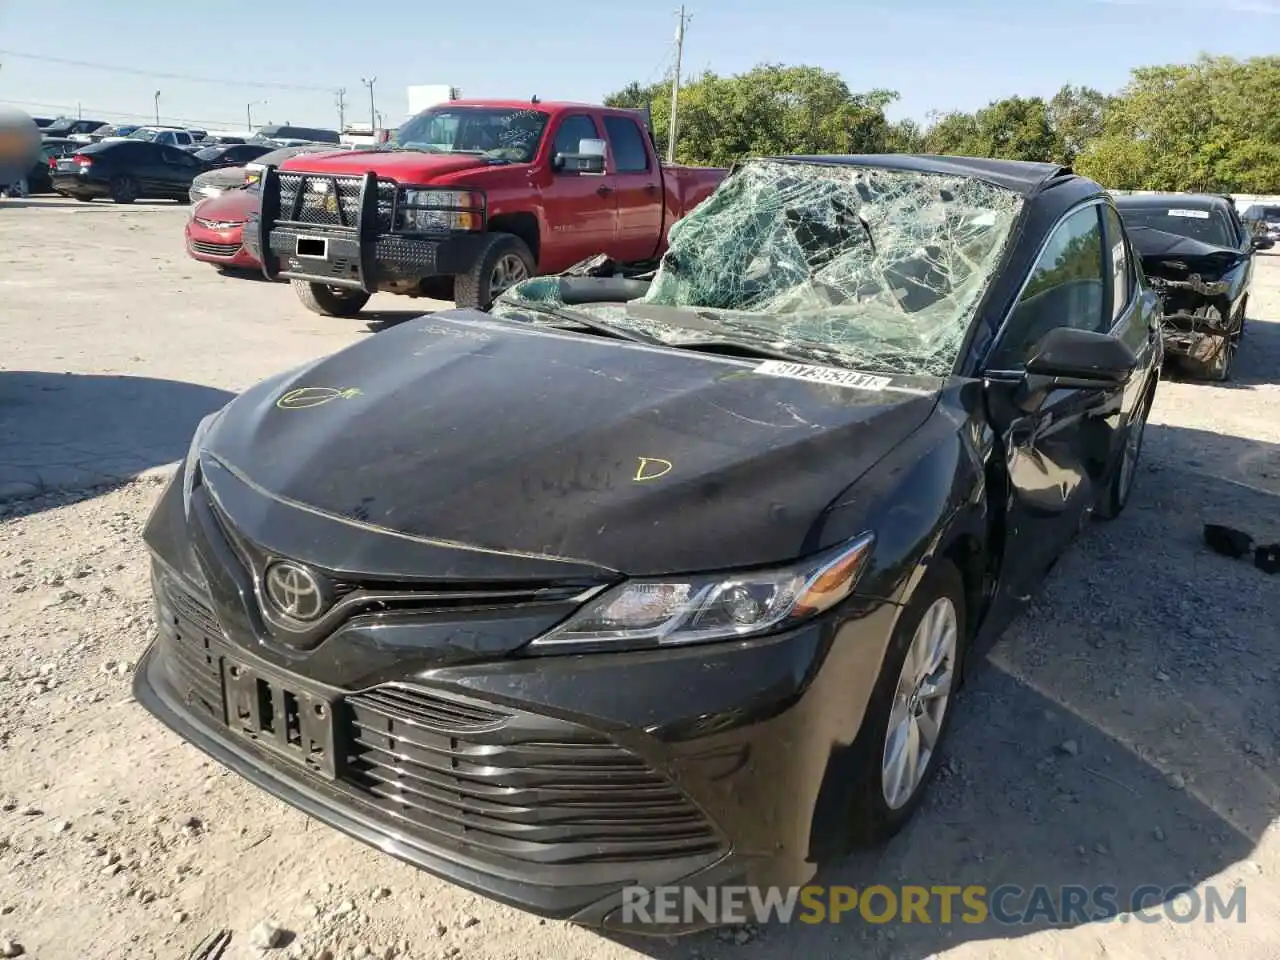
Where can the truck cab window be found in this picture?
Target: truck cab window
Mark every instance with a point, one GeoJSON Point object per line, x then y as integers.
{"type": "Point", "coordinates": [627, 144]}
{"type": "Point", "coordinates": [573, 129]}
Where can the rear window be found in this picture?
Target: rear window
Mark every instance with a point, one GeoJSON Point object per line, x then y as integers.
{"type": "Point", "coordinates": [1205, 225]}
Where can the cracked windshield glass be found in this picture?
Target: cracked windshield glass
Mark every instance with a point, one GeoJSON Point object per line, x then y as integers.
{"type": "Point", "coordinates": [853, 266]}
{"type": "Point", "coordinates": [510, 135]}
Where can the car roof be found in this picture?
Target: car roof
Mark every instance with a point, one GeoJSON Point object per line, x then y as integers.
{"type": "Point", "coordinates": [1020, 176]}
{"type": "Point", "coordinates": [1192, 201]}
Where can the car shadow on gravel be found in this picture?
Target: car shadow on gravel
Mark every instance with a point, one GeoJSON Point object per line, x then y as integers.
{"type": "Point", "coordinates": [1121, 741]}
{"type": "Point", "coordinates": [63, 431]}
{"type": "Point", "coordinates": [379, 320]}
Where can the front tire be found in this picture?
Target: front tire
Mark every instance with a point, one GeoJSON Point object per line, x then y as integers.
{"type": "Point", "coordinates": [330, 301]}
{"type": "Point", "coordinates": [911, 707]}
{"type": "Point", "coordinates": [1126, 470]}
{"type": "Point", "coordinates": [1219, 368]}
{"type": "Point", "coordinates": [504, 261]}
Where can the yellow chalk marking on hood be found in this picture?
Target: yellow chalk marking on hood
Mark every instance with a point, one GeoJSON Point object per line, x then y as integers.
{"type": "Point", "coordinates": [651, 468]}
{"type": "Point", "coordinates": [303, 398]}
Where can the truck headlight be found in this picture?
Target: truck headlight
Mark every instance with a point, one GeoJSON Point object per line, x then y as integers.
{"type": "Point", "coordinates": [439, 211]}
{"type": "Point", "coordinates": [725, 606]}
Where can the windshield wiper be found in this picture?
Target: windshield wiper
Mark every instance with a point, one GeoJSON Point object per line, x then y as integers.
{"type": "Point", "coordinates": [565, 317]}
{"type": "Point", "coordinates": [725, 334]}
{"type": "Point", "coordinates": [737, 348]}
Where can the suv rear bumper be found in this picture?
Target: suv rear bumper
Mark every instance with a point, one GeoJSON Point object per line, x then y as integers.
{"type": "Point", "coordinates": [360, 254]}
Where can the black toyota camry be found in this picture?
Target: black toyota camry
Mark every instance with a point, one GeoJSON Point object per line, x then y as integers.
{"type": "Point", "coordinates": [666, 578]}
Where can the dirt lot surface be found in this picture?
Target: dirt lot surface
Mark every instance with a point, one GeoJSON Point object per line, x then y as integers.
{"type": "Point", "coordinates": [1125, 734]}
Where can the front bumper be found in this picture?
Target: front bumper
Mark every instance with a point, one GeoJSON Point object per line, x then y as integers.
{"type": "Point", "coordinates": [549, 783]}
{"type": "Point", "coordinates": [222, 247]}
{"type": "Point", "coordinates": [352, 245]}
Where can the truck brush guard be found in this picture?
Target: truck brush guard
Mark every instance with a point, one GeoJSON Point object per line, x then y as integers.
{"type": "Point", "coordinates": [361, 232]}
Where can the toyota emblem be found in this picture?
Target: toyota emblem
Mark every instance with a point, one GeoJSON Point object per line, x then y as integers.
{"type": "Point", "coordinates": [296, 592]}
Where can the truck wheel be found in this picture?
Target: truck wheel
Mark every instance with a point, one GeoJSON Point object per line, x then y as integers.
{"type": "Point", "coordinates": [504, 261]}
{"type": "Point", "coordinates": [330, 301]}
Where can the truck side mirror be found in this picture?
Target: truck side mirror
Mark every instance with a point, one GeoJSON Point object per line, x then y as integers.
{"type": "Point", "coordinates": [589, 158]}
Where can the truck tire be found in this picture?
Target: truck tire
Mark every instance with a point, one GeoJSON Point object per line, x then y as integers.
{"type": "Point", "coordinates": [329, 301]}
{"type": "Point", "coordinates": [504, 260]}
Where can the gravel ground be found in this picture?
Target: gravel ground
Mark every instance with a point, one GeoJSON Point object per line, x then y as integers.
{"type": "Point", "coordinates": [1124, 734]}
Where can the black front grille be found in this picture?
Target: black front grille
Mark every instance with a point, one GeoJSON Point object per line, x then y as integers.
{"type": "Point", "coordinates": [337, 206]}
{"type": "Point", "coordinates": [215, 249]}
{"type": "Point", "coordinates": [505, 784]}
{"type": "Point", "coordinates": [192, 663]}
{"type": "Point", "coordinates": [558, 796]}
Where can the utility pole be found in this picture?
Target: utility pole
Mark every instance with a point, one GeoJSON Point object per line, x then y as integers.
{"type": "Point", "coordinates": [342, 109]}
{"type": "Point", "coordinates": [675, 84]}
{"type": "Point", "coordinates": [248, 113]}
{"type": "Point", "coordinates": [157, 108]}
{"type": "Point", "coordinates": [373, 112]}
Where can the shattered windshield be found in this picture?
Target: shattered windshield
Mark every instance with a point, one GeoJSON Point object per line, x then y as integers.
{"type": "Point", "coordinates": [500, 134]}
{"type": "Point", "coordinates": [861, 267]}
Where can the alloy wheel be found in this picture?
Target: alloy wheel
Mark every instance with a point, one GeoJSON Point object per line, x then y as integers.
{"type": "Point", "coordinates": [507, 272]}
{"type": "Point", "coordinates": [920, 703]}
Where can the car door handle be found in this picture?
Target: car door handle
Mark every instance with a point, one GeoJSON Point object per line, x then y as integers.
{"type": "Point", "coordinates": [650, 188]}
{"type": "Point", "coordinates": [604, 191]}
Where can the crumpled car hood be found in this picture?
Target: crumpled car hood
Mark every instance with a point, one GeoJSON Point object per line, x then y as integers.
{"type": "Point", "coordinates": [461, 429]}
{"type": "Point", "coordinates": [1161, 251]}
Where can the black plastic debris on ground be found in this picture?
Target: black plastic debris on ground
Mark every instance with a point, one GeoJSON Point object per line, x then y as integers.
{"type": "Point", "coordinates": [1237, 545]}
{"type": "Point", "coordinates": [212, 947]}
{"type": "Point", "coordinates": [1267, 559]}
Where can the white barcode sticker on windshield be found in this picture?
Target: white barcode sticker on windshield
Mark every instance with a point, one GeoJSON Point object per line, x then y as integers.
{"type": "Point", "coordinates": [1192, 214]}
{"type": "Point", "coordinates": [829, 375]}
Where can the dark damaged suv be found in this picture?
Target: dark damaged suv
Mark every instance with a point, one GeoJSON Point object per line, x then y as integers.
{"type": "Point", "coordinates": [670, 578]}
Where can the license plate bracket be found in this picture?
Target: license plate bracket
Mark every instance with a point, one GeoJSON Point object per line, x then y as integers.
{"type": "Point", "coordinates": [312, 248]}
{"type": "Point", "coordinates": [282, 717]}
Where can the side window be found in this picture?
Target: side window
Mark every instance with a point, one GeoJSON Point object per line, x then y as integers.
{"type": "Point", "coordinates": [573, 128]}
{"type": "Point", "coordinates": [1066, 288]}
{"type": "Point", "coordinates": [629, 153]}
{"type": "Point", "coordinates": [177, 158]}
{"type": "Point", "coordinates": [1121, 265]}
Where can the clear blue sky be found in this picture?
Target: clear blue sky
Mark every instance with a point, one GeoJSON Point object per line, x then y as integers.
{"type": "Point", "coordinates": [937, 54]}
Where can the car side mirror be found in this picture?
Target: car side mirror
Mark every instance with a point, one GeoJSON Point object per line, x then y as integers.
{"type": "Point", "coordinates": [1081, 359]}
{"type": "Point", "coordinates": [589, 158]}
{"type": "Point", "coordinates": [1262, 243]}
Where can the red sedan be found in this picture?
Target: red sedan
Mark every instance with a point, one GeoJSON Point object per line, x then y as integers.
{"type": "Point", "coordinates": [215, 232]}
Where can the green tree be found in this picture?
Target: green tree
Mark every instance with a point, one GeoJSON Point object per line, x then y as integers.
{"type": "Point", "coordinates": [1211, 125]}
{"type": "Point", "coordinates": [1077, 116]}
{"type": "Point", "coordinates": [770, 110]}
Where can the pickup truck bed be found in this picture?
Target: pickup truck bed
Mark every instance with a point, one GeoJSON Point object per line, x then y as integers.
{"type": "Point", "coordinates": [476, 195]}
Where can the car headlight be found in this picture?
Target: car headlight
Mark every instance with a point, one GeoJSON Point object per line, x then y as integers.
{"type": "Point", "coordinates": [439, 211]}
{"type": "Point", "coordinates": [673, 611]}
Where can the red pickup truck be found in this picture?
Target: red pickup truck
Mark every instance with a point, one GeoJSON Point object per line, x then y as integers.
{"type": "Point", "coordinates": [470, 197]}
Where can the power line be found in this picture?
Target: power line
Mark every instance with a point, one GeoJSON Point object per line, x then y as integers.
{"type": "Point", "coordinates": [67, 109]}
{"type": "Point", "coordinates": [220, 81]}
